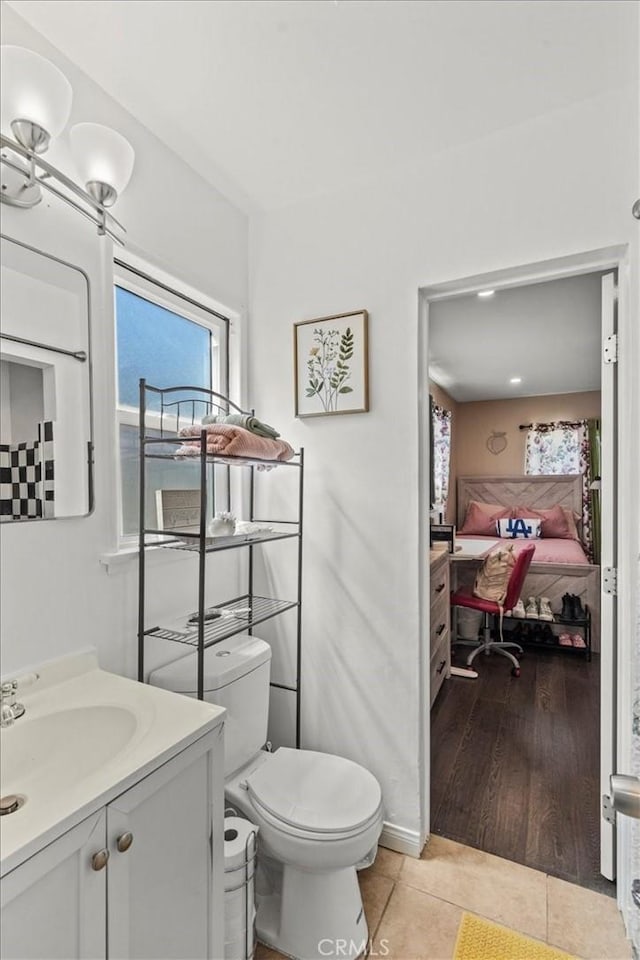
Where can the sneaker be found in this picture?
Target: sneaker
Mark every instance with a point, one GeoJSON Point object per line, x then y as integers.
{"type": "Point", "coordinates": [547, 635]}
{"type": "Point", "coordinates": [565, 640]}
{"type": "Point", "coordinates": [518, 610]}
{"type": "Point", "coordinates": [531, 609]}
{"type": "Point", "coordinates": [577, 640]}
{"type": "Point", "coordinates": [545, 609]}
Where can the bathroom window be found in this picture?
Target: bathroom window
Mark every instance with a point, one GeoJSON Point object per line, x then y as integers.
{"type": "Point", "coordinates": [169, 341]}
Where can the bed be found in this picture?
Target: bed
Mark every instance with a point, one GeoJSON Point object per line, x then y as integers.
{"type": "Point", "coordinates": [558, 566]}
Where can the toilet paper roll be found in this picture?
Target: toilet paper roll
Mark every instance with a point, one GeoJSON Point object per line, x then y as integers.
{"type": "Point", "coordinates": [237, 845]}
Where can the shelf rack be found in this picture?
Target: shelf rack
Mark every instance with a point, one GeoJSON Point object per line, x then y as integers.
{"type": "Point", "coordinates": [240, 614]}
{"type": "Point", "coordinates": [581, 623]}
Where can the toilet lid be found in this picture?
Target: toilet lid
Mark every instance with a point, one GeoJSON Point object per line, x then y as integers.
{"type": "Point", "coordinates": [314, 791]}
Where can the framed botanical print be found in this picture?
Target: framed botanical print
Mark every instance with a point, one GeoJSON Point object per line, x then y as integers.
{"type": "Point", "coordinates": [331, 365]}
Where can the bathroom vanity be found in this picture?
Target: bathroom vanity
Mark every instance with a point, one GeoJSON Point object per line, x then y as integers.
{"type": "Point", "coordinates": [117, 849]}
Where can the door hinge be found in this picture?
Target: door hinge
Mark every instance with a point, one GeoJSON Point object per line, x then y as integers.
{"type": "Point", "coordinates": [610, 581]}
{"type": "Point", "coordinates": [608, 813]}
{"type": "Point", "coordinates": [610, 349]}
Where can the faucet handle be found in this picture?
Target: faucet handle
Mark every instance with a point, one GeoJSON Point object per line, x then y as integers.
{"type": "Point", "coordinates": [10, 709]}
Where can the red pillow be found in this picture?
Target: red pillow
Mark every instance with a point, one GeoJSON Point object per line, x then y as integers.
{"type": "Point", "coordinates": [555, 521]}
{"type": "Point", "coordinates": [481, 518]}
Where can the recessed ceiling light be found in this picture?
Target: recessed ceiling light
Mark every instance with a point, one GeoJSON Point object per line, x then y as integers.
{"type": "Point", "coordinates": [515, 380]}
{"type": "Point", "coordinates": [486, 293]}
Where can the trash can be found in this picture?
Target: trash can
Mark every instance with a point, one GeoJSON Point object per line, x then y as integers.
{"type": "Point", "coordinates": [469, 623]}
{"type": "Point", "coordinates": [239, 888]}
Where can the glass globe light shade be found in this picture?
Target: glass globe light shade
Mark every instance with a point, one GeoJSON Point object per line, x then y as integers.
{"type": "Point", "coordinates": [33, 89]}
{"type": "Point", "coordinates": [102, 155]}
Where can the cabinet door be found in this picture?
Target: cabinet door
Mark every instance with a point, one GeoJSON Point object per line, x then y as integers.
{"type": "Point", "coordinates": [54, 904]}
{"type": "Point", "coordinates": [165, 897]}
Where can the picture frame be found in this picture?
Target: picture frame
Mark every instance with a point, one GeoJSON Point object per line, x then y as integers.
{"type": "Point", "coordinates": [331, 365]}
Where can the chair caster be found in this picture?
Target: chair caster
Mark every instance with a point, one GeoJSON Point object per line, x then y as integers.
{"type": "Point", "coordinates": [515, 672]}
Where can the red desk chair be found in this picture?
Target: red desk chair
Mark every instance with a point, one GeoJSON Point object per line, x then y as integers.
{"type": "Point", "coordinates": [465, 598]}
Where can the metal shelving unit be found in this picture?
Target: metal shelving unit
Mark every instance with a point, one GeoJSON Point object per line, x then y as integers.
{"type": "Point", "coordinates": [185, 404]}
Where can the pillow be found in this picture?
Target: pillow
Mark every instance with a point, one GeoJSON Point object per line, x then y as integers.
{"type": "Point", "coordinates": [519, 528]}
{"type": "Point", "coordinates": [572, 519]}
{"type": "Point", "coordinates": [481, 518]}
{"type": "Point", "coordinates": [557, 521]}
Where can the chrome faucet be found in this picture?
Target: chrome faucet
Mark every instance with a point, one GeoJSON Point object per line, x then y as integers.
{"type": "Point", "coordinates": [10, 710]}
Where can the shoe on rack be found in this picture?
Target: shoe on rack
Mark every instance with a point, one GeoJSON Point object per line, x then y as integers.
{"type": "Point", "coordinates": [547, 635]}
{"type": "Point", "coordinates": [545, 609]}
{"type": "Point", "coordinates": [565, 640]}
{"type": "Point", "coordinates": [578, 610]}
{"type": "Point", "coordinates": [577, 640]}
{"type": "Point", "coordinates": [567, 607]}
{"type": "Point", "coordinates": [518, 610]}
{"type": "Point", "coordinates": [531, 609]}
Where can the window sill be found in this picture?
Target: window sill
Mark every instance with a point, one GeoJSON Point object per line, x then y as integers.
{"type": "Point", "coordinates": [123, 559]}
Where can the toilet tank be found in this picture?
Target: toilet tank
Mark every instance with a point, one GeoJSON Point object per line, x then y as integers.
{"type": "Point", "coordinates": [236, 676]}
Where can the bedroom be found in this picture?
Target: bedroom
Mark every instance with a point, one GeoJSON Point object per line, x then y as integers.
{"type": "Point", "coordinates": [515, 758]}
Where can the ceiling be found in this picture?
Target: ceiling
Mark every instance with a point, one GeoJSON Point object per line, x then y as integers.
{"type": "Point", "coordinates": [280, 100]}
{"type": "Point", "coordinates": [546, 333]}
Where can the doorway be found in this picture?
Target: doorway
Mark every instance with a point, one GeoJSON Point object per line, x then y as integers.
{"type": "Point", "coordinates": [487, 786]}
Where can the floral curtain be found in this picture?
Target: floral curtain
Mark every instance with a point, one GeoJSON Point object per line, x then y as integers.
{"type": "Point", "coordinates": [564, 447]}
{"type": "Point", "coordinates": [441, 421]}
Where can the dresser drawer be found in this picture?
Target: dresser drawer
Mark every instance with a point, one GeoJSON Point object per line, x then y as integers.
{"type": "Point", "coordinates": [439, 616]}
{"type": "Point", "coordinates": [439, 667]}
{"type": "Point", "coordinates": [439, 580]}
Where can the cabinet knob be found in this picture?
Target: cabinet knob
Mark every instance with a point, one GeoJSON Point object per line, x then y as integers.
{"type": "Point", "coordinates": [441, 667]}
{"type": "Point", "coordinates": [440, 588]}
{"type": "Point", "coordinates": [124, 841]}
{"type": "Point", "coordinates": [99, 859]}
{"type": "Point", "coordinates": [440, 629]}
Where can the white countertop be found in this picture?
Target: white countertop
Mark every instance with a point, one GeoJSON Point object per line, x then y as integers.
{"type": "Point", "coordinates": [86, 736]}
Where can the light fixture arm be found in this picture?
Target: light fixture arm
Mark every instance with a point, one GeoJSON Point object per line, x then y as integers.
{"type": "Point", "coordinates": [38, 173]}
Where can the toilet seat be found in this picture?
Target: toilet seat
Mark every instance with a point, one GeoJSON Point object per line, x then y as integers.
{"type": "Point", "coordinates": [315, 795]}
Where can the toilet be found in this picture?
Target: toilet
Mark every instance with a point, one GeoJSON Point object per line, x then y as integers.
{"type": "Point", "coordinates": [320, 816]}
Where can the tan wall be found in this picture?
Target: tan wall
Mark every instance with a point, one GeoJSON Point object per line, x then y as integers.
{"type": "Point", "coordinates": [443, 399]}
{"type": "Point", "coordinates": [475, 421]}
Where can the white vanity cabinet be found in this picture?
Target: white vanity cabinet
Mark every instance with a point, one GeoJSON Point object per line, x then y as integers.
{"type": "Point", "coordinates": [159, 894]}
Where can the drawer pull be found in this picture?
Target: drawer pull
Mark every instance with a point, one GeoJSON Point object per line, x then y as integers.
{"type": "Point", "coordinates": [124, 841]}
{"type": "Point", "coordinates": [440, 588]}
{"type": "Point", "coordinates": [99, 859]}
{"type": "Point", "coordinates": [440, 629]}
{"type": "Point", "coordinates": [441, 667]}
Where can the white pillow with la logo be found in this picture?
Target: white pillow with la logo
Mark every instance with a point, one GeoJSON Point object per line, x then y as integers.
{"type": "Point", "coordinates": [519, 528]}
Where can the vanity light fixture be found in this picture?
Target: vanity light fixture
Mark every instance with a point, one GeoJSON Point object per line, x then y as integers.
{"type": "Point", "coordinates": [515, 380]}
{"type": "Point", "coordinates": [35, 107]}
{"type": "Point", "coordinates": [486, 293]}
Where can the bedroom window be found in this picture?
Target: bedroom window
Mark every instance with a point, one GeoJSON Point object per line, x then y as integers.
{"type": "Point", "coordinates": [441, 426]}
{"type": "Point", "coordinates": [570, 447]}
{"type": "Point", "coordinates": [169, 341]}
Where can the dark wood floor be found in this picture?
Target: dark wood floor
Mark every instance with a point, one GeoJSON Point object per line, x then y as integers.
{"type": "Point", "coordinates": [515, 764]}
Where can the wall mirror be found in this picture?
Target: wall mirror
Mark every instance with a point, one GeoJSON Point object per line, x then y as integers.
{"type": "Point", "coordinates": [46, 440]}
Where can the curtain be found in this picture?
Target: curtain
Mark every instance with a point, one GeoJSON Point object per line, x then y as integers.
{"type": "Point", "coordinates": [593, 427]}
{"type": "Point", "coordinates": [441, 422]}
{"type": "Point", "coordinates": [564, 447]}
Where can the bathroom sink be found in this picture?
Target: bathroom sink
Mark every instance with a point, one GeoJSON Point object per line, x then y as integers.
{"type": "Point", "coordinates": [63, 745]}
{"type": "Point", "coordinates": [85, 737]}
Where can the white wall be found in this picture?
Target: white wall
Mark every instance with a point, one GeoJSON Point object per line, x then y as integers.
{"type": "Point", "coordinates": [550, 187]}
{"type": "Point", "coordinates": [56, 595]}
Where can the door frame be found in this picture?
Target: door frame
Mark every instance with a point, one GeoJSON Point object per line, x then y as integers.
{"type": "Point", "coordinates": [607, 258]}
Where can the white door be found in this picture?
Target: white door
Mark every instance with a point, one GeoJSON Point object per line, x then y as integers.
{"type": "Point", "coordinates": [164, 897]}
{"type": "Point", "coordinates": [608, 679]}
{"type": "Point", "coordinates": [54, 904]}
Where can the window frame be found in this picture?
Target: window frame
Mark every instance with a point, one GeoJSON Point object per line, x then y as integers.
{"type": "Point", "coordinates": [164, 292]}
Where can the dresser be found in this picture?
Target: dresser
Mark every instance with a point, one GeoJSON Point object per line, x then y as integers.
{"type": "Point", "coordinates": [440, 646]}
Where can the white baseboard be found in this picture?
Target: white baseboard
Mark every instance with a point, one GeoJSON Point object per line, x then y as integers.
{"type": "Point", "coordinates": [401, 840]}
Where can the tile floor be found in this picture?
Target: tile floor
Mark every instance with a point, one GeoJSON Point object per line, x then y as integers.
{"type": "Point", "coordinates": [415, 906]}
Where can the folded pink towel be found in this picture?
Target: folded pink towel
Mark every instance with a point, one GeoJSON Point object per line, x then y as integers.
{"type": "Point", "coordinates": [228, 441]}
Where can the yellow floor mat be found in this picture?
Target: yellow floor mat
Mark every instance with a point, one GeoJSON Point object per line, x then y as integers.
{"type": "Point", "coordinates": [482, 940]}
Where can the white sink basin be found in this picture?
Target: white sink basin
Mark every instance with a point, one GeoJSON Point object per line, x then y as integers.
{"type": "Point", "coordinates": [64, 745]}
{"type": "Point", "coordinates": [86, 736]}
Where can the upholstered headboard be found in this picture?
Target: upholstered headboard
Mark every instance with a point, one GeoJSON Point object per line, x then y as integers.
{"type": "Point", "coordinates": [509, 491]}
